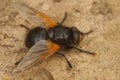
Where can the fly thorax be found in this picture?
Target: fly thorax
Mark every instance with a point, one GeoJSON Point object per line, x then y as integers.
{"type": "Point", "coordinates": [61, 35]}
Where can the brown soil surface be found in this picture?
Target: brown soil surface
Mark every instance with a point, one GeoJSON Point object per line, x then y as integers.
{"type": "Point", "coordinates": [102, 16]}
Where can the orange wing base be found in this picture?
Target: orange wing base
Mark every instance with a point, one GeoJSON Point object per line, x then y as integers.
{"type": "Point", "coordinates": [52, 49]}
{"type": "Point", "coordinates": [49, 23]}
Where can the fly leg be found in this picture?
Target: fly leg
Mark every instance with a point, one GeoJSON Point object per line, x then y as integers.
{"type": "Point", "coordinates": [16, 63]}
{"type": "Point", "coordinates": [24, 27]}
{"type": "Point", "coordinates": [65, 17]}
{"type": "Point", "coordinates": [61, 54]}
{"type": "Point", "coordinates": [81, 50]}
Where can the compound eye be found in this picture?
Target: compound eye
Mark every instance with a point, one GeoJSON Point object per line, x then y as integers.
{"type": "Point", "coordinates": [74, 29]}
{"type": "Point", "coordinates": [76, 35]}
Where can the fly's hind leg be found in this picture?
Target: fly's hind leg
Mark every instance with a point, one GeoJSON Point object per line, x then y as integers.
{"type": "Point", "coordinates": [17, 62]}
{"type": "Point", "coordinates": [68, 62]}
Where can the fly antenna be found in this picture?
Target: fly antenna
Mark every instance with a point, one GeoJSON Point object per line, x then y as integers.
{"type": "Point", "coordinates": [86, 33]}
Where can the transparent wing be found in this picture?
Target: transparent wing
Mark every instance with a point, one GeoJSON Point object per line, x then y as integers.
{"type": "Point", "coordinates": [45, 75]}
{"type": "Point", "coordinates": [26, 12]}
{"type": "Point", "coordinates": [37, 54]}
{"type": "Point", "coordinates": [32, 56]}
{"type": "Point", "coordinates": [33, 15]}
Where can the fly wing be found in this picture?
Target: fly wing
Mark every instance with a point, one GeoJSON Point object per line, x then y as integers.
{"type": "Point", "coordinates": [32, 56]}
{"type": "Point", "coordinates": [45, 75]}
{"type": "Point", "coordinates": [33, 15]}
{"type": "Point", "coordinates": [37, 54]}
{"type": "Point", "coordinates": [26, 12]}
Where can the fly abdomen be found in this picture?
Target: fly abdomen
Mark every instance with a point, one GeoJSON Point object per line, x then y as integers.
{"type": "Point", "coordinates": [35, 35]}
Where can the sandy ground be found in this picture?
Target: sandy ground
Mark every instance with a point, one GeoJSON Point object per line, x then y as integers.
{"type": "Point", "coordinates": [102, 16]}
